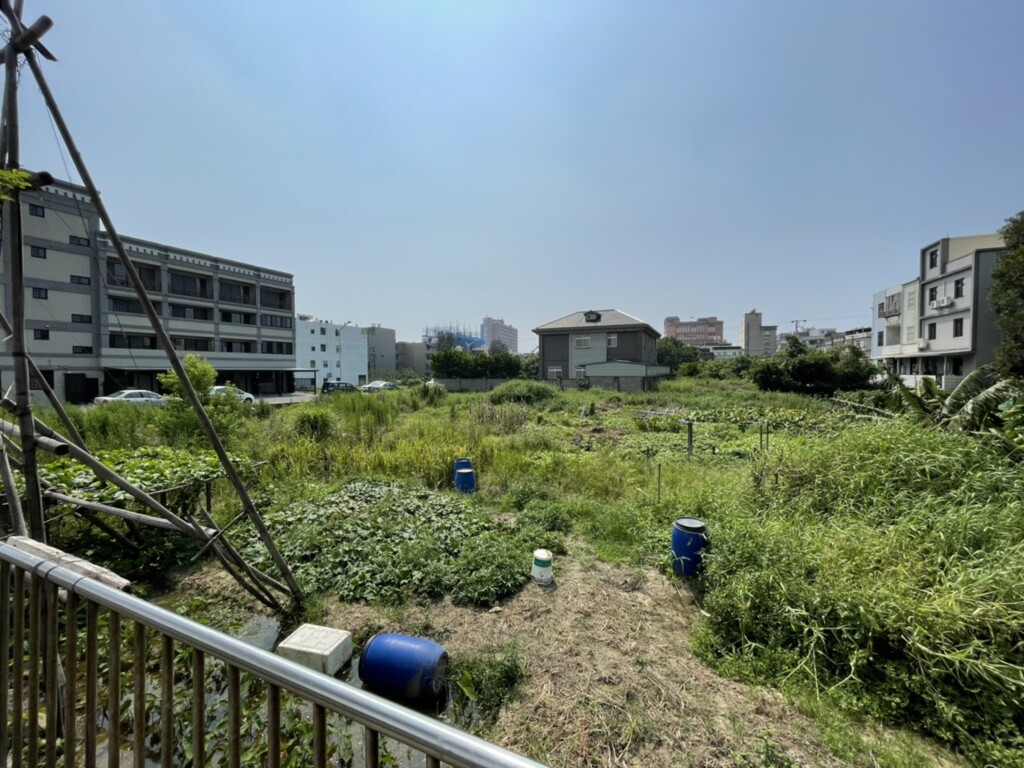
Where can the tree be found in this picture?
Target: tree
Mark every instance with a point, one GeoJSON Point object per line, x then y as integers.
{"type": "Point", "coordinates": [1007, 298]}
{"type": "Point", "coordinates": [530, 366]}
{"type": "Point", "coordinates": [445, 341]}
{"type": "Point", "coordinates": [200, 372]}
{"type": "Point", "coordinates": [673, 353]}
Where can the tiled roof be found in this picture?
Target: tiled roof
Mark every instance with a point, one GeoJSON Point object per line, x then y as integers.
{"type": "Point", "coordinates": [606, 319]}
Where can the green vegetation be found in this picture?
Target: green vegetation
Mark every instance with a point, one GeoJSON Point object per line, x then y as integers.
{"type": "Point", "coordinates": [867, 559]}
{"type": "Point", "coordinates": [1007, 297]}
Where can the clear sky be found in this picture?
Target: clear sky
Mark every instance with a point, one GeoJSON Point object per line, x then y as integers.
{"type": "Point", "coordinates": [423, 163]}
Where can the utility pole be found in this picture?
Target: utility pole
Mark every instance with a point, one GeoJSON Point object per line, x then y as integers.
{"type": "Point", "coordinates": [796, 325]}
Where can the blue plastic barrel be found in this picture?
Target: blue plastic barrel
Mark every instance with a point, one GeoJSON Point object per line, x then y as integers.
{"type": "Point", "coordinates": [461, 464]}
{"type": "Point", "coordinates": [465, 480]}
{"type": "Point", "coordinates": [405, 668]}
{"type": "Point", "coordinates": [689, 535]}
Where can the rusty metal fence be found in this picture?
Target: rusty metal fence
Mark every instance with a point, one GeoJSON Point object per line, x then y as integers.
{"type": "Point", "coordinates": [92, 676]}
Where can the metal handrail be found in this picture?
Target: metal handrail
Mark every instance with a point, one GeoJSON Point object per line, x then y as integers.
{"type": "Point", "coordinates": [440, 742]}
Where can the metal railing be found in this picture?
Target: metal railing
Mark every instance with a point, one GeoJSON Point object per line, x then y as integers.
{"type": "Point", "coordinates": [195, 697]}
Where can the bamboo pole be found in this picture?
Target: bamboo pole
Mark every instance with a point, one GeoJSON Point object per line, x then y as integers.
{"type": "Point", "coordinates": [161, 333]}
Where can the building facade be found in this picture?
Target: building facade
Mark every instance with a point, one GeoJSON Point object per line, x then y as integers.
{"type": "Point", "coordinates": [498, 331]}
{"type": "Point", "coordinates": [702, 332]}
{"type": "Point", "coordinates": [411, 356]}
{"type": "Point", "coordinates": [380, 350]}
{"type": "Point", "coordinates": [85, 325]}
{"type": "Point", "coordinates": [940, 324]}
{"type": "Point", "coordinates": [755, 338]}
{"type": "Point", "coordinates": [334, 352]}
{"type": "Point", "coordinates": [568, 345]}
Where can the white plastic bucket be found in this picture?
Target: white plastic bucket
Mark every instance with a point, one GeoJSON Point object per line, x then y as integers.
{"type": "Point", "coordinates": [542, 571]}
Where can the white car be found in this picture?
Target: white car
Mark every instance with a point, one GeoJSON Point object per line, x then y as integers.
{"type": "Point", "coordinates": [242, 395]}
{"type": "Point", "coordinates": [377, 386]}
{"type": "Point", "coordinates": [133, 396]}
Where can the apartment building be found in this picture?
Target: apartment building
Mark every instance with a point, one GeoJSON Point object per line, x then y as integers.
{"type": "Point", "coordinates": [85, 326]}
{"type": "Point", "coordinates": [412, 356]}
{"type": "Point", "coordinates": [702, 332]}
{"type": "Point", "coordinates": [492, 331]}
{"type": "Point", "coordinates": [755, 338]}
{"type": "Point", "coordinates": [380, 350]}
{"type": "Point", "coordinates": [940, 324]}
{"type": "Point", "coordinates": [335, 352]}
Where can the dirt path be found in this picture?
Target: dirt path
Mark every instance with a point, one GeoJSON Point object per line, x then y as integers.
{"type": "Point", "coordinates": [611, 680]}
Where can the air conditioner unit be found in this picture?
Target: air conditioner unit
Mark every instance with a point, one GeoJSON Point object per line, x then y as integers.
{"type": "Point", "coordinates": [945, 301]}
{"type": "Point", "coordinates": [933, 305]}
{"type": "Point", "coordinates": [922, 343]}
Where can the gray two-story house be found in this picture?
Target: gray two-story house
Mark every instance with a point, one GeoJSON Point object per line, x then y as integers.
{"type": "Point", "coordinates": [606, 347]}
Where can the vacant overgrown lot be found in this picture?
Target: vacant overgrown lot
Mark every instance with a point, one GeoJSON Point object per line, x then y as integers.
{"type": "Point", "coordinates": [869, 569]}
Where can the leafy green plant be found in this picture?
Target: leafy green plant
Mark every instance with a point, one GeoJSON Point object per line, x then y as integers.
{"type": "Point", "coordinates": [521, 391]}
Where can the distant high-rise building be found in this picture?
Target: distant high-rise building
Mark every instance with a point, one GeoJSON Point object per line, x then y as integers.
{"type": "Point", "coordinates": [755, 339]}
{"type": "Point", "coordinates": [492, 331]}
{"type": "Point", "coordinates": [702, 332]}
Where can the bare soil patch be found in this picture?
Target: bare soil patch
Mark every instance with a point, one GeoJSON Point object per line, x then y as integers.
{"type": "Point", "coordinates": [611, 680]}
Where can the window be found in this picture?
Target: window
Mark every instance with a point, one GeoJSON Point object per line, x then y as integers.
{"type": "Point", "coordinates": [881, 309]}
{"type": "Point", "coordinates": [581, 372]}
{"type": "Point", "coordinates": [933, 258]}
{"type": "Point", "coordinates": [42, 334]}
{"type": "Point", "coordinates": [189, 285]}
{"type": "Point", "coordinates": [931, 331]}
{"type": "Point", "coordinates": [933, 294]}
{"type": "Point", "coordinates": [40, 293]}
{"type": "Point", "coordinates": [131, 341]}
{"type": "Point", "coordinates": [192, 345]}
{"type": "Point", "coordinates": [236, 292]}
{"type": "Point", "coordinates": [37, 252]}
{"type": "Point", "coordinates": [81, 318]}
{"type": "Point", "coordinates": [323, 347]}
{"type": "Point", "coordinates": [326, 364]}
{"type": "Point", "coordinates": [337, 332]}
{"type": "Point", "coordinates": [958, 327]}
{"type": "Point", "coordinates": [76, 240]}
{"type": "Point", "coordinates": [236, 346]}
{"type": "Point", "coordinates": [129, 306]}
{"type": "Point", "coordinates": [36, 210]}
{"type": "Point", "coordinates": [958, 288]}
{"type": "Point", "coordinates": [582, 342]}
{"type": "Point", "coordinates": [554, 371]}
{"type": "Point", "coordinates": [311, 330]}
{"type": "Point", "coordinates": [273, 299]}
{"type": "Point", "coordinates": [323, 331]}
{"type": "Point", "coordinates": [190, 313]}
{"type": "Point", "coordinates": [312, 363]}
{"type": "Point", "coordinates": [81, 280]}
{"type": "Point", "coordinates": [613, 340]}
{"type": "Point", "coordinates": [149, 275]}
{"type": "Point", "coordinates": [238, 318]}
{"type": "Point", "coordinates": [277, 321]}
{"type": "Point", "coordinates": [81, 350]}
{"type": "Point", "coordinates": [276, 347]}
{"type": "Point", "coordinates": [881, 338]}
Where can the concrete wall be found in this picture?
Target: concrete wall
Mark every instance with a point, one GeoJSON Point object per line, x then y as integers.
{"type": "Point", "coordinates": [471, 385]}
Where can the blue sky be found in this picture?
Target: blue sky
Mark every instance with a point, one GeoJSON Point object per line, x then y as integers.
{"type": "Point", "coordinates": [422, 163]}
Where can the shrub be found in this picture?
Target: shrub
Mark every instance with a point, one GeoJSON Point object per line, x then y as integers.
{"type": "Point", "coordinates": [520, 391]}
{"type": "Point", "coordinates": [315, 424]}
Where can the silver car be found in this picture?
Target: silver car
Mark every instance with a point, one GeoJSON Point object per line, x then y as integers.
{"type": "Point", "coordinates": [133, 396]}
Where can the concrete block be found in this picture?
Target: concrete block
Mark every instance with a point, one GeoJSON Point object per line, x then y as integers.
{"type": "Point", "coordinates": [323, 649]}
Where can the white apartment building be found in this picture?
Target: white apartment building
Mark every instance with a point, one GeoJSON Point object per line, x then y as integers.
{"type": "Point", "coordinates": [492, 331]}
{"type": "Point", "coordinates": [334, 352]}
{"type": "Point", "coordinates": [756, 339]}
{"type": "Point", "coordinates": [940, 324]}
{"type": "Point", "coordinates": [85, 326]}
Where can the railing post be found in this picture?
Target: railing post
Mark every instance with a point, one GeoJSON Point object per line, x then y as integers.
{"type": "Point", "coordinates": [139, 696]}
{"type": "Point", "coordinates": [198, 708]}
{"type": "Point", "coordinates": [71, 681]}
{"type": "Point", "coordinates": [18, 672]}
{"type": "Point", "coordinates": [371, 747]}
{"type": "Point", "coordinates": [114, 692]}
{"type": "Point", "coordinates": [51, 681]}
{"type": "Point", "coordinates": [166, 701]}
{"type": "Point", "coordinates": [34, 620]}
{"type": "Point", "coordinates": [5, 649]}
{"type": "Point", "coordinates": [273, 726]}
{"type": "Point", "coordinates": [91, 673]}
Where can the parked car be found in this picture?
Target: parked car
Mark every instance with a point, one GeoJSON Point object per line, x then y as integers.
{"type": "Point", "coordinates": [338, 386]}
{"type": "Point", "coordinates": [242, 395]}
{"type": "Point", "coordinates": [133, 396]}
{"type": "Point", "coordinates": [377, 386]}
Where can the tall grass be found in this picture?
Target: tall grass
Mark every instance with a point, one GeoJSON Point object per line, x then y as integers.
{"type": "Point", "coordinates": [882, 567]}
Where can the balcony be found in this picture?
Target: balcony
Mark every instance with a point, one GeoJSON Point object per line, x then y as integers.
{"type": "Point", "coordinates": [192, 291]}
{"type": "Point", "coordinates": [122, 281]}
{"type": "Point", "coordinates": [258, 702]}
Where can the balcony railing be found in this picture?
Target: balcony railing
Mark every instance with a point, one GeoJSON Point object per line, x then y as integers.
{"type": "Point", "coordinates": [188, 290]}
{"type": "Point", "coordinates": [237, 298]}
{"type": "Point", "coordinates": [149, 283]}
{"type": "Point", "coordinates": [91, 675]}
